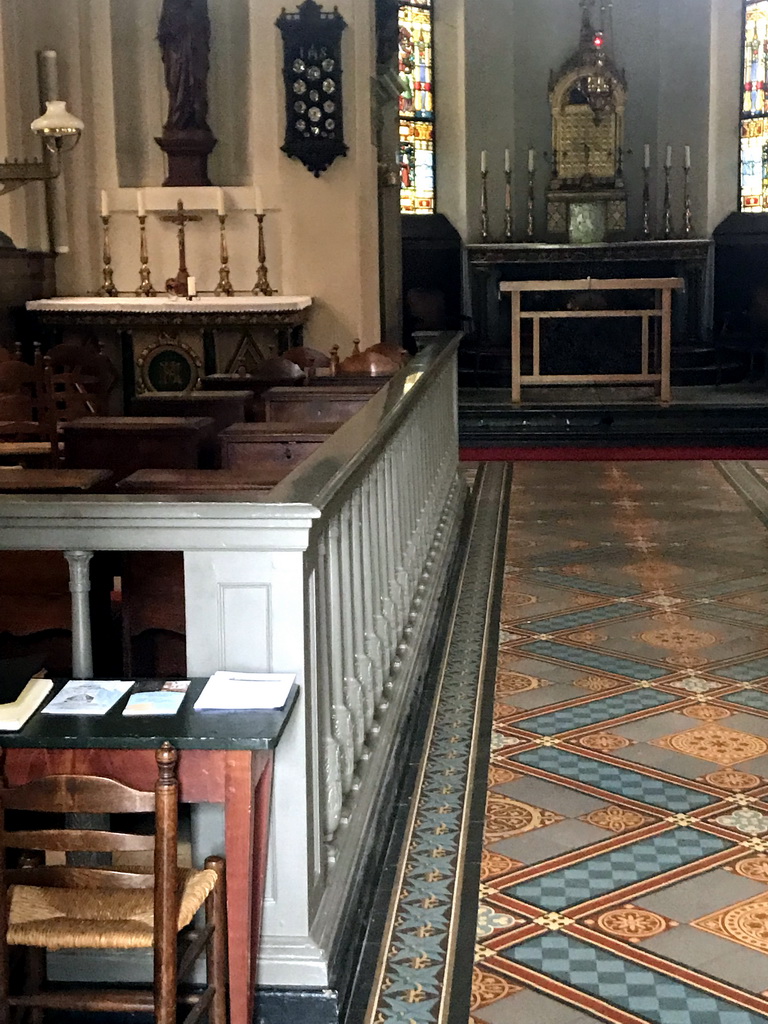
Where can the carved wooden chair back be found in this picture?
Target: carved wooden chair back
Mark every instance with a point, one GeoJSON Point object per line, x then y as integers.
{"type": "Point", "coordinates": [49, 904]}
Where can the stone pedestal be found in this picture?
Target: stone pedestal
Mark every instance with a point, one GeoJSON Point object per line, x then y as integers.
{"type": "Point", "coordinates": [187, 151]}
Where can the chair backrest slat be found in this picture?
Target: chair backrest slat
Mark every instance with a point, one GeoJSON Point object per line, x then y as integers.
{"type": "Point", "coordinates": [86, 794]}
{"type": "Point", "coordinates": [77, 839]}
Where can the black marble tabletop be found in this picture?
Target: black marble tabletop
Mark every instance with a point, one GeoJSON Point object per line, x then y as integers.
{"type": "Point", "coordinates": [187, 729]}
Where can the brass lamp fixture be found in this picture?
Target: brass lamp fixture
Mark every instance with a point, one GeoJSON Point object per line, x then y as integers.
{"type": "Point", "coordinates": [60, 130]}
{"type": "Point", "coordinates": [597, 86]}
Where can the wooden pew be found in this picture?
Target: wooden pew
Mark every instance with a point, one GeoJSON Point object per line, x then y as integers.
{"type": "Point", "coordinates": [244, 446]}
{"type": "Point", "coordinates": [52, 481]}
{"type": "Point", "coordinates": [317, 403]}
{"type": "Point", "coordinates": [223, 407]}
{"type": "Point", "coordinates": [125, 444]}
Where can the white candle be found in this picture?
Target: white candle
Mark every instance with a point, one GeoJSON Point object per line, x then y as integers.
{"type": "Point", "coordinates": [531, 159]}
{"type": "Point", "coordinates": [141, 206]}
{"type": "Point", "coordinates": [258, 204]}
{"type": "Point", "coordinates": [191, 286]}
{"type": "Point", "coordinates": [646, 156]}
{"type": "Point", "coordinates": [220, 202]}
{"type": "Point", "coordinates": [687, 158]}
{"type": "Point", "coordinates": [104, 204]}
{"type": "Point", "coordinates": [507, 164]}
{"type": "Point", "coordinates": [669, 157]}
{"type": "Point", "coordinates": [483, 161]}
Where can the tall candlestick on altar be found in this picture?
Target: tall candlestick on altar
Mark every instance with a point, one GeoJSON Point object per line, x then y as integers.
{"type": "Point", "coordinates": [507, 197]}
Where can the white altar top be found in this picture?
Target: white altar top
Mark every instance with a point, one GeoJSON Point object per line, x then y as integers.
{"type": "Point", "coordinates": [178, 304]}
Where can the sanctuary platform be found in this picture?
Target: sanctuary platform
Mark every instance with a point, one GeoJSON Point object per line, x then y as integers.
{"type": "Point", "coordinates": [725, 416]}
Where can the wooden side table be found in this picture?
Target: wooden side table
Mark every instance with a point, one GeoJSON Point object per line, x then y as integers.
{"type": "Point", "coordinates": [225, 757]}
{"type": "Point", "coordinates": [662, 287]}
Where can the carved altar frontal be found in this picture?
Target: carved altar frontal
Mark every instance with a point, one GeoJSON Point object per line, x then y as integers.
{"type": "Point", "coordinates": [169, 344]}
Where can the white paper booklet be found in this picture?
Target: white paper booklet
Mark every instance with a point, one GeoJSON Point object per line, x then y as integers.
{"type": "Point", "coordinates": [257, 691]}
{"type": "Point", "coordinates": [87, 696]}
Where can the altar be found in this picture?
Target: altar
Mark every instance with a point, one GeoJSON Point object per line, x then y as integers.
{"type": "Point", "coordinates": [170, 343]}
{"type": "Point", "coordinates": [491, 264]}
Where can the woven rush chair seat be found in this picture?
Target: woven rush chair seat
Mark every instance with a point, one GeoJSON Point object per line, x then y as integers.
{"type": "Point", "coordinates": [68, 883]}
{"type": "Point", "coordinates": [98, 918]}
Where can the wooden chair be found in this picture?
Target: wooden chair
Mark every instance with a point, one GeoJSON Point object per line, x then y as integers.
{"type": "Point", "coordinates": [25, 426]}
{"type": "Point", "coordinates": [63, 906]}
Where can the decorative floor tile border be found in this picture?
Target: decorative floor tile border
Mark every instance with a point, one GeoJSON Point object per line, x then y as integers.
{"type": "Point", "coordinates": [413, 978]}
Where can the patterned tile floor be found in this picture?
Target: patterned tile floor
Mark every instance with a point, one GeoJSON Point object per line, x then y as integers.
{"type": "Point", "coordinates": [623, 875]}
{"type": "Point", "coordinates": [625, 861]}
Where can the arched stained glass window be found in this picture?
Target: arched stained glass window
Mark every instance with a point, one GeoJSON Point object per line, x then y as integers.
{"type": "Point", "coordinates": [754, 111]}
{"type": "Point", "coordinates": [417, 119]}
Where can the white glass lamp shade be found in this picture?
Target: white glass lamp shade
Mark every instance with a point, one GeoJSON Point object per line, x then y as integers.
{"type": "Point", "coordinates": [57, 124]}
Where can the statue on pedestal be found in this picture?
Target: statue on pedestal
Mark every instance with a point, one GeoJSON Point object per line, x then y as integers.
{"type": "Point", "coordinates": [184, 35]}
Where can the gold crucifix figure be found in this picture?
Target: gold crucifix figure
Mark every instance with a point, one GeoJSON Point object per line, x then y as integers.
{"type": "Point", "coordinates": [179, 285]}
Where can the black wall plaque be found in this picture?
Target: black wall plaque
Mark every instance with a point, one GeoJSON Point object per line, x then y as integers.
{"type": "Point", "coordinates": [314, 125]}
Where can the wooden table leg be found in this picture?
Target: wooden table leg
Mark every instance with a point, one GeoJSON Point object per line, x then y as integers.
{"type": "Point", "coordinates": [516, 361]}
{"type": "Point", "coordinates": [247, 794]}
{"type": "Point", "coordinates": [665, 393]}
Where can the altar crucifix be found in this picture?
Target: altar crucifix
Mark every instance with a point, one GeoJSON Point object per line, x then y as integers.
{"type": "Point", "coordinates": [179, 285]}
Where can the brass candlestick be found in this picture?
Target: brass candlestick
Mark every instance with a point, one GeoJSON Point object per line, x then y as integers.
{"type": "Point", "coordinates": [224, 287]}
{"type": "Point", "coordinates": [530, 226]}
{"type": "Point", "coordinates": [646, 228]}
{"type": "Point", "coordinates": [107, 284]}
{"type": "Point", "coordinates": [262, 286]}
{"type": "Point", "coordinates": [667, 205]}
{"type": "Point", "coordinates": [145, 285]}
{"type": "Point", "coordinates": [687, 212]}
{"type": "Point", "coordinates": [484, 206]}
{"type": "Point", "coordinates": [507, 204]}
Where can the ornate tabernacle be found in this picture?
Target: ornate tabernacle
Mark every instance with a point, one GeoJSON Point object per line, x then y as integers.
{"type": "Point", "coordinates": [586, 199]}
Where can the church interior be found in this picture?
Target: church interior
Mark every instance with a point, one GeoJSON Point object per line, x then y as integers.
{"type": "Point", "coordinates": [409, 359]}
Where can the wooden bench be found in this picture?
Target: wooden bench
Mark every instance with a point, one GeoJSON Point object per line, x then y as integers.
{"type": "Point", "coordinates": [244, 446]}
{"type": "Point", "coordinates": [317, 403]}
{"type": "Point", "coordinates": [125, 444]}
{"type": "Point", "coordinates": [223, 407]}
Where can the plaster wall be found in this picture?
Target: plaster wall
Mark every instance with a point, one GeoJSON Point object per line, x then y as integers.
{"type": "Point", "coordinates": [322, 234]}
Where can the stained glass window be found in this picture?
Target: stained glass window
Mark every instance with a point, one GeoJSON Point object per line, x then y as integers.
{"type": "Point", "coordinates": [754, 112]}
{"type": "Point", "coordinates": [417, 117]}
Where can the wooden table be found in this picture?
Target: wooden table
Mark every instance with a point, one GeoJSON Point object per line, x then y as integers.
{"type": "Point", "coordinates": [662, 287]}
{"type": "Point", "coordinates": [226, 757]}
